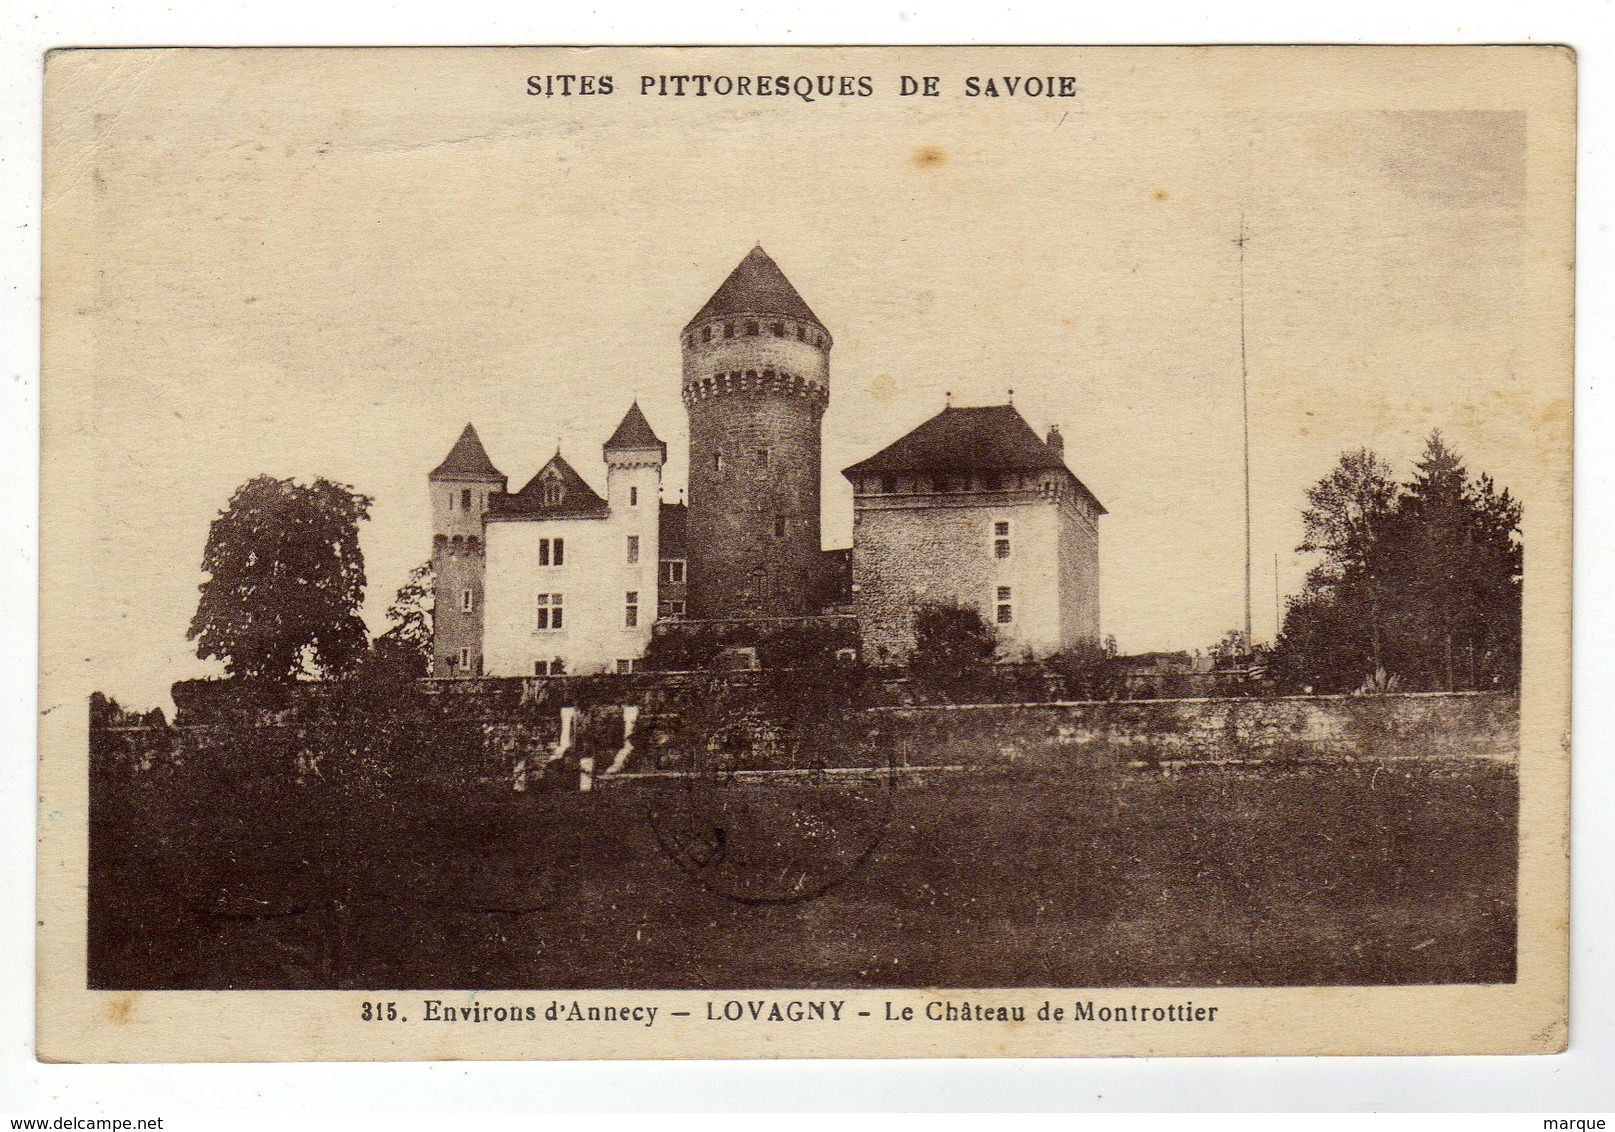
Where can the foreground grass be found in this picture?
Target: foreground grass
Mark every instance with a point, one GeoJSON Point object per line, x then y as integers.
{"type": "Point", "coordinates": [1351, 874]}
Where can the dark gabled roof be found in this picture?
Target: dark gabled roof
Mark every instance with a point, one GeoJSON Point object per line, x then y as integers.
{"type": "Point", "coordinates": [756, 286]}
{"type": "Point", "coordinates": [635, 432]}
{"type": "Point", "coordinates": [468, 459]}
{"type": "Point", "coordinates": [992, 438]}
{"type": "Point", "coordinates": [578, 499]}
{"type": "Point", "coordinates": [670, 539]}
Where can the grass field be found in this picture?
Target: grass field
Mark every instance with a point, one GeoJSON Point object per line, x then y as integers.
{"type": "Point", "coordinates": [1391, 873]}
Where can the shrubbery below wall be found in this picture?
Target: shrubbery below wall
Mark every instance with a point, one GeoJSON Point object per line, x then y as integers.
{"type": "Point", "coordinates": [524, 734]}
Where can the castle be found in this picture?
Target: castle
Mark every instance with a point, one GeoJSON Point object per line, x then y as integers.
{"type": "Point", "coordinates": [971, 508]}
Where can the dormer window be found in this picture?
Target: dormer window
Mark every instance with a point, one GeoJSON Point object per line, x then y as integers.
{"type": "Point", "coordinates": [554, 490]}
{"type": "Point", "coordinates": [751, 327]}
{"type": "Point", "coordinates": [779, 329]}
{"type": "Point", "coordinates": [728, 330]}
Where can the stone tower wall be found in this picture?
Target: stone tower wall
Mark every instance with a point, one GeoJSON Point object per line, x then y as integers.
{"type": "Point", "coordinates": [754, 546]}
{"type": "Point", "coordinates": [458, 559]}
{"type": "Point", "coordinates": [752, 514]}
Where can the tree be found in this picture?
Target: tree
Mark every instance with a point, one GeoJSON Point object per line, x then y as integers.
{"type": "Point", "coordinates": [285, 581]}
{"type": "Point", "coordinates": [953, 645]}
{"type": "Point", "coordinates": [408, 642]}
{"type": "Point", "coordinates": [1457, 569]}
{"type": "Point", "coordinates": [1345, 521]}
{"type": "Point", "coordinates": [1420, 584]}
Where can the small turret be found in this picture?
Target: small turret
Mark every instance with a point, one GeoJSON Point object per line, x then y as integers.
{"type": "Point", "coordinates": [1056, 442]}
{"type": "Point", "coordinates": [462, 488]}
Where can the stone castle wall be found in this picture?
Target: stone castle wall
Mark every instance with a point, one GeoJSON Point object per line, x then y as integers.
{"type": "Point", "coordinates": [519, 734]}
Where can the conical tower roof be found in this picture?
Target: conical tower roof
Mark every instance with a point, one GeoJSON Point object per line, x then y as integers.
{"type": "Point", "coordinates": [635, 432]}
{"type": "Point", "coordinates": [467, 460]}
{"type": "Point", "coordinates": [756, 286]}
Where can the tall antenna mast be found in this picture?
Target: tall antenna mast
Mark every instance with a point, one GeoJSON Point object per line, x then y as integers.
{"type": "Point", "coordinates": [1245, 421]}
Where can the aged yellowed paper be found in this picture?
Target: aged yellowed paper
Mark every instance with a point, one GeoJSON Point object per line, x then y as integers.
{"type": "Point", "coordinates": [766, 552]}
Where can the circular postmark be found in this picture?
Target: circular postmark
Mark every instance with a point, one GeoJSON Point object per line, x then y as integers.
{"type": "Point", "coordinates": [765, 811]}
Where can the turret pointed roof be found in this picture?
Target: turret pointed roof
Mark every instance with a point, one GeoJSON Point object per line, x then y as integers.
{"type": "Point", "coordinates": [570, 497]}
{"type": "Point", "coordinates": [756, 286]}
{"type": "Point", "coordinates": [635, 432]}
{"type": "Point", "coordinates": [467, 460]}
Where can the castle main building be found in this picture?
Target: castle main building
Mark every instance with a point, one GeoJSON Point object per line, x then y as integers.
{"type": "Point", "coordinates": [971, 507]}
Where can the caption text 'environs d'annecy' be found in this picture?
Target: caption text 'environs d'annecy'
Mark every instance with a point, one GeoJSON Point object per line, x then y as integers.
{"type": "Point", "coordinates": [798, 1010]}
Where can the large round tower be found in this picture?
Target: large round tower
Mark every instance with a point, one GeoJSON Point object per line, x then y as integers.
{"type": "Point", "coordinates": [756, 382]}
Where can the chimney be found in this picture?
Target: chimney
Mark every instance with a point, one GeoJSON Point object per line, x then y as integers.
{"type": "Point", "coordinates": [1056, 441]}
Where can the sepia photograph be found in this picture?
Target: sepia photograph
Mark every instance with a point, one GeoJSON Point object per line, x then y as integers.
{"type": "Point", "coordinates": [781, 551]}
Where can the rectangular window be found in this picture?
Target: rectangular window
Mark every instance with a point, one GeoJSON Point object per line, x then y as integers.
{"type": "Point", "coordinates": [779, 329]}
{"type": "Point", "coordinates": [633, 549]}
{"type": "Point", "coordinates": [751, 327]}
{"type": "Point", "coordinates": [762, 457]}
{"type": "Point", "coordinates": [633, 497]}
{"type": "Point", "coordinates": [1001, 539]}
{"type": "Point", "coordinates": [552, 552]}
{"type": "Point", "coordinates": [1006, 611]}
{"type": "Point", "coordinates": [670, 610]}
{"type": "Point", "coordinates": [466, 601]}
{"type": "Point", "coordinates": [779, 526]}
{"type": "Point", "coordinates": [706, 334]}
{"type": "Point", "coordinates": [465, 499]}
{"type": "Point", "coordinates": [541, 668]}
{"type": "Point", "coordinates": [624, 667]}
{"type": "Point", "coordinates": [465, 660]}
{"type": "Point", "coordinates": [728, 330]}
{"type": "Point", "coordinates": [673, 571]}
{"type": "Point", "coordinates": [801, 334]}
{"type": "Point", "coordinates": [548, 612]}
{"type": "Point", "coordinates": [631, 609]}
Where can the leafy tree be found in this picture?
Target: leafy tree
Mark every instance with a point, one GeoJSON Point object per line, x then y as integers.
{"type": "Point", "coordinates": [285, 581]}
{"type": "Point", "coordinates": [408, 642]}
{"type": "Point", "coordinates": [953, 646]}
{"type": "Point", "coordinates": [1418, 585]}
{"type": "Point", "coordinates": [1345, 521]}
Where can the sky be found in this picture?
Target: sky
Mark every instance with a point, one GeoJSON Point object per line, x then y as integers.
{"type": "Point", "coordinates": [324, 264]}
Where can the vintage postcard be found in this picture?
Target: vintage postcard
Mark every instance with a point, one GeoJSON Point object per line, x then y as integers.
{"type": "Point", "coordinates": [805, 552]}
